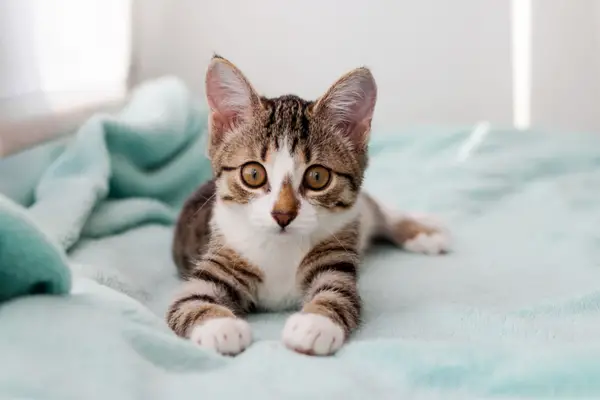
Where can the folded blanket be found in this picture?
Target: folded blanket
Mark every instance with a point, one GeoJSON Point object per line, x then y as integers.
{"type": "Point", "coordinates": [513, 312]}
{"type": "Point", "coordinates": [29, 261]}
{"type": "Point", "coordinates": [120, 172]}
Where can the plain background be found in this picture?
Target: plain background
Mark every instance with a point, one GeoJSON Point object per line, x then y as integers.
{"type": "Point", "coordinates": [436, 61]}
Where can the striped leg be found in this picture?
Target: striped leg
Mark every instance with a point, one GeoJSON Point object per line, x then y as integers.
{"type": "Point", "coordinates": [208, 308]}
{"type": "Point", "coordinates": [332, 305]}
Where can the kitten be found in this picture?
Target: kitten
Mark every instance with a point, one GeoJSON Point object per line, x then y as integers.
{"type": "Point", "coordinates": [284, 223]}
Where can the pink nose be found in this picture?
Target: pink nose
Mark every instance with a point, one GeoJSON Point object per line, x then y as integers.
{"type": "Point", "coordinates": [283, 218]}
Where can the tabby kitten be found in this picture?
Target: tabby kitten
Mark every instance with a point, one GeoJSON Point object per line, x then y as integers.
{"type": "Point", "coordinates": [284, 223]}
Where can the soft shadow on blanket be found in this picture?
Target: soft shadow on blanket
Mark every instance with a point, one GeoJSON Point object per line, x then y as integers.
{"type": "Point", "coordinates": [86, 271]}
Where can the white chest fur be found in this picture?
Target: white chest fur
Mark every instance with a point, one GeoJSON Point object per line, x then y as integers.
{"type": "Point", "coordinates": [279, 259]}
{"type": "Point", "coordinates": [278, 256]}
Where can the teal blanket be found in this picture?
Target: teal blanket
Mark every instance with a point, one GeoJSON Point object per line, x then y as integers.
{"type": "Point", "coordinates": [86, 274]}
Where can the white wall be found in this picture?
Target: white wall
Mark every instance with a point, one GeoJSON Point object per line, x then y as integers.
{"type": "Point", "coordinates": [18, 69]}
{"type": "Point", "coordinates": [444, 62]}
{"type": "Point", "coordinates": [566, 64]}
{"type": "Point", "coordinates": [436, 61]}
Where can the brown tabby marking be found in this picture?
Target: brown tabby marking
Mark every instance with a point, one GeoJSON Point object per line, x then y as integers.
{"type": "Point", "coordinates": [221, 280]}
{"type": "Point", "coordinates": [192, 231]}
{"type": "Point", "coordinates": [327, 276]}
{"type": "Point", "coordinates": [190, 310]}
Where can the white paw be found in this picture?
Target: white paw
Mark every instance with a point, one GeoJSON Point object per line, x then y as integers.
{"type": "Point", "coordinates": [229, 336]}
{"type": "Point", "coordinates": [434, 243]}
{"type": "Point", "coordinates": [312, 334]}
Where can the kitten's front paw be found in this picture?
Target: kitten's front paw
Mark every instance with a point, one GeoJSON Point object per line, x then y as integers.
{"type": "Point", "coordinates": [312, 334]}
{"type": "Point", "coordinates": [228, 336]}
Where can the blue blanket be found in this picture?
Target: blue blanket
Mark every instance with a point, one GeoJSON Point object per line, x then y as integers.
{"type": "Point", "coordinates": [86, 274]}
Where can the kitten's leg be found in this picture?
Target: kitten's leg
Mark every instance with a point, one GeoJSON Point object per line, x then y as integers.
{"type": "Point", "coordinates": [208, 308]}
{"type": "Point", "coordinates": [332, 305]}
{"type": "Point", "coordinates": [415, 233]}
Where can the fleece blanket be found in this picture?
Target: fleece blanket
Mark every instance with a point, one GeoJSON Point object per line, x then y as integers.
{"type": "Point", "coordinates": [513, 312]}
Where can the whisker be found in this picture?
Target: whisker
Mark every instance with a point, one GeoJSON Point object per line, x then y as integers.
{"type": "Point", "coordinates": [218, 252]}
{"type": "Point", "coordinates": [338, 240]}
{"type": "Point", "coordinates": [298, 245]}
{"type": "Point", "coordinates": [205, 203]}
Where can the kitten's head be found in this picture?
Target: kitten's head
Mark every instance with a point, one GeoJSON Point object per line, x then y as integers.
{"type": "Point", "coordinates": [286, 165]}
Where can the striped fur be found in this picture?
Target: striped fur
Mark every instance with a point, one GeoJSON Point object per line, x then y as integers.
{"type": "Point", "coordinates": [327, 276]}
{"type": "Point", "coordinates": [285, 244]}
{"type": "Point", "coordinates": [220, 282]}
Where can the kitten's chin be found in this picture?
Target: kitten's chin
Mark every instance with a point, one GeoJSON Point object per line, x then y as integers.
{"type": "Point", "coordinates": [274, 231]}
{"type": "Point", "coordinates": [287, 232]}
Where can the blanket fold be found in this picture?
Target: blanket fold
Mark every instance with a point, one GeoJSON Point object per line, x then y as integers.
{"type": "Point", "coordinates": [30, 263]}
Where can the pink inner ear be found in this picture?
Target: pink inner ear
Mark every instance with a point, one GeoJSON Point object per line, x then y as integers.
{"type": "Point", "coordinates": [227, 92]}
{"type": "Point", "coordinates": [359, 133]}
{"type": "Point", "coordinates": [221, 123]}
{"type": "Point", "coordinates": [350, 104]}
{"type": "Point", "coordinates": [360, 114]}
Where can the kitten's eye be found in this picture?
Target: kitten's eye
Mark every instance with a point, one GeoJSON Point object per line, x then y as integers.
{"type": "Point", "coordinates": [316, 177]}
{"type": "Point", "coordinates": [254, 175]}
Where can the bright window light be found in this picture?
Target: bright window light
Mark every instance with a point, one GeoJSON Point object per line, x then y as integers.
{"type": "Point", "coordinates": [521, 62]}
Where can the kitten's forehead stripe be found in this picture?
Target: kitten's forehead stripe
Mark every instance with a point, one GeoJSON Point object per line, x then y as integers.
{"type": "Point", "coordinates": [294, 145]}
{"type": "Point", "coordinates": [263, 152]}
{"type": "Point", "coordinates": [288, 115]}
{"type": "Point", "coordinates": [293, 110]}
{"type": "Point", "coordinates": [304, 122]}
{"type": "Point", "coordinates": [271, 120]}
{"type": "Point", "coordinates": [307, 153]}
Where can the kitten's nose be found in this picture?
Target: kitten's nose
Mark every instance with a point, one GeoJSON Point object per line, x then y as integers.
{"type": "Point", "coordinates": [283, 218]}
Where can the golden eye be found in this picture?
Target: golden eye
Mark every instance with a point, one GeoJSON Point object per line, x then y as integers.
{"type": "Point", "coordinates": [317, 177]}
{"type": "Point", "coordinates": [254, 175]}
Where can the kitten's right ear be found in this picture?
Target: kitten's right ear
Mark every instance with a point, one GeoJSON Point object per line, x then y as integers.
{"type": "Point", "coordinates": [230, 97]}
{"type": "Point", "coordinates": [349, 104]}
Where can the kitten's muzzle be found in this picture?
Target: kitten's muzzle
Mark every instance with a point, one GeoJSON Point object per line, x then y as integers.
{"type": "Point", "coordinates": [283, 218]}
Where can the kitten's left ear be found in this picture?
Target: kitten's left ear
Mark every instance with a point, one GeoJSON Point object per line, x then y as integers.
{"type": "Point", "coordinates": [231, 98]}
{"type": "Point", "coordinates": [349, 105]}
